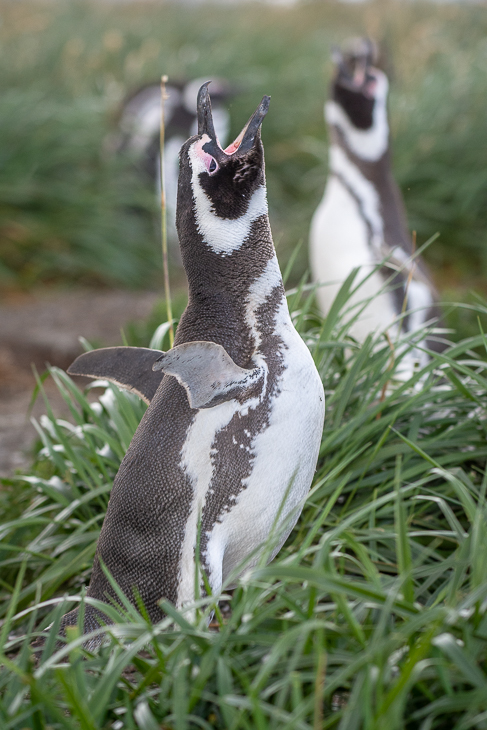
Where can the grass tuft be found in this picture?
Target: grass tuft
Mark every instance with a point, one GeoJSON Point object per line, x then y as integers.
{"type": "Point", "coordinates": [373, 616]}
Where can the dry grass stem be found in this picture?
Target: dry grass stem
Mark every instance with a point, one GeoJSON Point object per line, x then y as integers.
{"type": "Point", "coordinates": [165, 263]}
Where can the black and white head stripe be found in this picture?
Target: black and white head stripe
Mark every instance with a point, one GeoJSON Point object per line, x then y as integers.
{"type": "Point", "coordinates": [358, 101]}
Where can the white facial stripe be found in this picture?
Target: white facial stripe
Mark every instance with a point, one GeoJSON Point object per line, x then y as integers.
{"type": "Point", "coordinates": [362, 188]}
{"type": "Point", "coordinates": [222, 236]}
{"type": "Point", "coordinates": [368, 144]}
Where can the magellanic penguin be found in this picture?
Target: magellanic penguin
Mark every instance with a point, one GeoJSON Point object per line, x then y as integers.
{"type": "Point", "coordinates": [229, 443]}
{"type": "Point", "coordinates": [361, 220]}
{"type": "Point", "coordinates": [139, 126]}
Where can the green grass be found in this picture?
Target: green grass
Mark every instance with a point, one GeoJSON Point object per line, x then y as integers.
{"type": "Point", "coordinates": [65, 203]}
{"type": "Point", "coordinates": [373, 616]}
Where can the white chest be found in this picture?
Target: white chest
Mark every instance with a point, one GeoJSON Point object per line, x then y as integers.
{"type": "Point", "coordinates": [346, 234]}
{"type": "Point", "coordinates": [282, 456]}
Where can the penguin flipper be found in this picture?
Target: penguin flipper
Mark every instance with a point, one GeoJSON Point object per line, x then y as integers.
{"type": "Point", "coordinates": [209, 375]}
{"type": "Point", "coordinates": [128, 367]}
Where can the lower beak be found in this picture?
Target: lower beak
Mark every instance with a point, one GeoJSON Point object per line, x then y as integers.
{"type": "Point", "coordinates": [251, 131]}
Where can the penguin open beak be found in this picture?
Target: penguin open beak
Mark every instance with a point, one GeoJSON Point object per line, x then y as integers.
{"type": "Point", "coordinates": [354, 63]}
{"type": "Point", "coordinates": [245, 140]}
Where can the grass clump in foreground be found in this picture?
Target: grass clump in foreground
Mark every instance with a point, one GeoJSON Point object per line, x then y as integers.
{"type": "Point", "coordinates": [373, 616]}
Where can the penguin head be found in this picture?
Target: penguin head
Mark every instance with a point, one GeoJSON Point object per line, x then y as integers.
{"type": "Point", "coordinates": [358, 86]}
{"type": "Point", "coordinates": [222, 181]}
{"type": "Point", "coordinates": [358, 102]}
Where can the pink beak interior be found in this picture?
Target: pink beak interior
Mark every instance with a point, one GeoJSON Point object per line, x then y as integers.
{"type": "Point", "coordinates": [235, 144]}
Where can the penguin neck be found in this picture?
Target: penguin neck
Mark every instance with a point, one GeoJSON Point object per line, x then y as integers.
{"type": "Point", "coordinates": [368, 144]}
{"type": "Point", "coordinates": [214, 276]}
{"type": "Point", "coordinates": [371, 166]}
{"type": "Point", "coordinates": [227, 292]}
{"type": "Point", "coordinates": [372, 185]}
{"type": "Point", "coordinates": [223, 256]}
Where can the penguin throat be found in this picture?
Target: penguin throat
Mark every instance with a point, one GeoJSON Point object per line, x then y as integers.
{"type": "Point", "coordinates": [368, 144]}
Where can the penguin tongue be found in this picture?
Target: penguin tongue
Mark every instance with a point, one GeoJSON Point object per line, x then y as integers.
{"type": "Point", "coordinates": [235, 144]}
{"type": "Point", "coordinates": [247, 136]}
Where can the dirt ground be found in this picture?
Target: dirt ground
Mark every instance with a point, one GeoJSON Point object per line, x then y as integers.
{"type": "Point", "coordinates": [44, 328]}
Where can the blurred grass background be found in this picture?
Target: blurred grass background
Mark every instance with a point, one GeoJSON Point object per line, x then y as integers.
{"type": "Point", "coordinates": [66, 203]}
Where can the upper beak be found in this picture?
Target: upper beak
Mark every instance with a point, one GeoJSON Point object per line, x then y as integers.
{"type": "Point", "coordinates": [205, 117]}
{"type": "Point", "coordinates": [339, 61]}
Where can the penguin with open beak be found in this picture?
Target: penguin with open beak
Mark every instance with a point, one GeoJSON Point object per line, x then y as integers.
{"type": "Point", "coordinates": [226, 451]}
{"type": "Point", "coordinates": [361, 219]}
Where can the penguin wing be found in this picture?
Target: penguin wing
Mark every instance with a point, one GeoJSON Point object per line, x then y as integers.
{"type": "Point", "coordinates": [209, 374]}
{"type": "Point", "coordinates": [128, 367]}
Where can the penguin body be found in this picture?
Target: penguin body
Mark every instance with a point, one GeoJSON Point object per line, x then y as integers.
{"type": "Point", "coordinates": [361, 221]}
{"type": "Point", "coordinates": [228, 446]}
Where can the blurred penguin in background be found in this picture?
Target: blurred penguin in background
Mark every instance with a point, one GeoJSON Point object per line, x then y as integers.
{"type": "Point", "coordinates": [361, 220]}
{"type": "Point", "coordinates": [140, 124]}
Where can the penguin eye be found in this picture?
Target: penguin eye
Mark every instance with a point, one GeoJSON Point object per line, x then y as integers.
{"type": "Point", "coordinates": [213, 166]}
